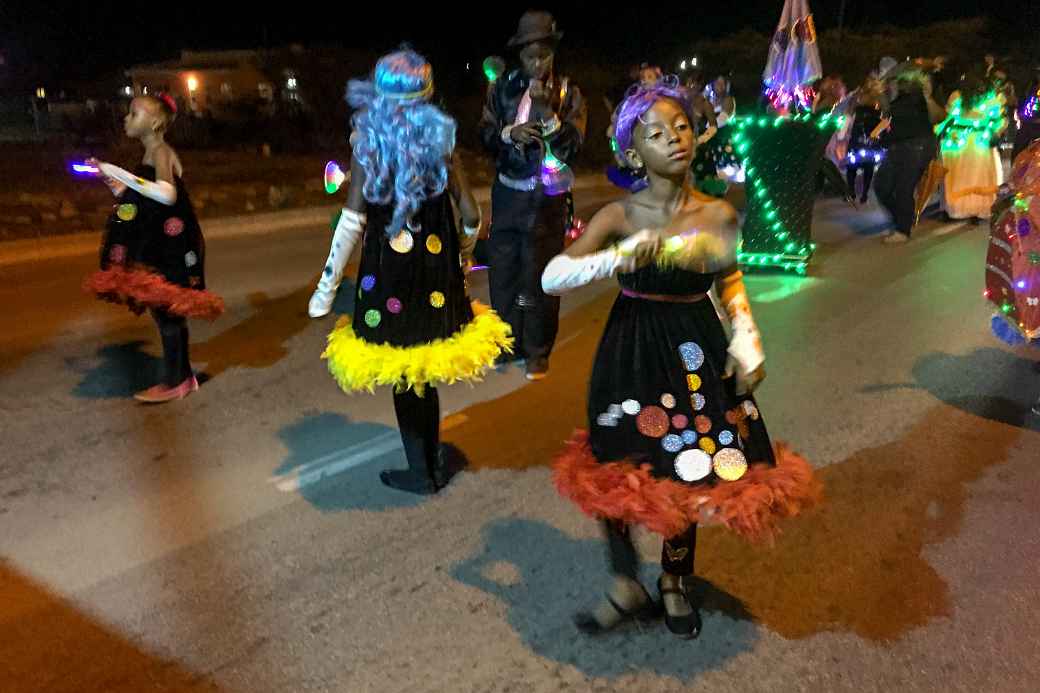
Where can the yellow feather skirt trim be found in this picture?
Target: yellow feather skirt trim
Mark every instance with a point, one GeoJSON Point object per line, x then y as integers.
{"type": "Point", "coordinates": [466, 355]}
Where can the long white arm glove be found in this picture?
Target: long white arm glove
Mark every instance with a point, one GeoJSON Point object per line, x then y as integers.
{"type": "Point", "coordinates": [745, 344]}
{"type": "Point", "coordinates": [348, 230]}
{"type": "Point", "coordinates": [564, 272]}
{"type": "Point", "coordinates": [162, 192]}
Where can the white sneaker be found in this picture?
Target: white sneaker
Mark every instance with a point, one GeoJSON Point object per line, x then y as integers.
{"type": "Point", "coordinates": [321, 303]}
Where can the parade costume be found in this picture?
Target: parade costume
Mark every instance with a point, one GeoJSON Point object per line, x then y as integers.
{"type": "Point", "coordinates": [910, 149]}
{"type": "Point", "coordinates": [670, 443]}
{"type": "Point", "coordinates": [1013, 257]}
{"type": "Point", "coordinates": [413, 327]}
{"type": "Point", "coordinates": [153, 258]}
{"type": "Point", "coordinates": [974, 171]}
{"type": "Point", "coordinates": [783, 151]}
{"type": "Point", "coordinates": [530, 210]}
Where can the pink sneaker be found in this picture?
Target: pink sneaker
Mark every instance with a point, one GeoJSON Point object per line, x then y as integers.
{"type": "Point", "coordinates": [157, 394]}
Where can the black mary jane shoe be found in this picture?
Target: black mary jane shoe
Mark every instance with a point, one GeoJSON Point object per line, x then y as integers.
{"type": "Point", "coordinates": [686, 627]}
{"type": "Point", "coordinates": [648, 611]}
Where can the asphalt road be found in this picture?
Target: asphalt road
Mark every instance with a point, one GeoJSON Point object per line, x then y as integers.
{"type": "Point", "coordinates": [239, 540]}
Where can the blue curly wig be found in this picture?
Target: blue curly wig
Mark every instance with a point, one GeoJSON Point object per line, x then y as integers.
{"type": "Point", "coordinates": [404, 143]}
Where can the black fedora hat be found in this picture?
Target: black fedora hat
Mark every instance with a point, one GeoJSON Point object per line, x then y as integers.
{"type": "Point", "coordinates": [535, 25]}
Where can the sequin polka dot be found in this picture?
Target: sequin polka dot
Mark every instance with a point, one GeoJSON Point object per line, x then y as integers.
{"type": "Point", "coordinates": [368, 282]}
{"type": "Point", "coordinates": [668, 401]}
{"type": "Point", "coordinates": [402, 242]}
{"type": "Point", "coordinates": [126, 212]}
{"type": "Point", "coordinates": [698, 401]}
{"type": "Point", "coordinates": [190, 258]}
{"type": "Point", "coordinates": [672, 443]}
{"type": "Point", "coordinates": [372, 318]}
{"type": "Point", "coordinates": [693, 382]}
{"type": "Point", "coordinates": [393, 305]}
{"type": "Point", "coordinates": [692, 355]}
{"type": "Point", "coordinates": [679, 421]}
{"type": "Point", "coordinates": [433, 244]}
{"type": "Point", "coordinates": [707, 445]}
{"type": "Point", "coordinates": [437, 299]}
{"type": "Point", "coordinates": [726, 437]}
{"type": "Point", "coordinates": [689, 437]}
{"type": "Point", "coordinates": [652, 422]}
{"type": "Point", "coordinates": [117, 254]}
{"type": "Point", "coordinates": [730, 464]}
{"type": "Point", "coordinates": [630, 407]}
{"type": "Point", "coordinates": [606, 420]}
{"type": "Point", "coordinates": [616, 410]}
{"type": "Point", "coordinates": [702, 424]}
{"type": "Point", "coordinates": [173, 226]}
{"type": "Point", "coordinates": [692, 465]}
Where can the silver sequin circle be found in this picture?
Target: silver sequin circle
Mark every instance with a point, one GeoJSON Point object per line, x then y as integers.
{"type": "Point", "coordinates": [631, 407]}
{"type": "Point", "coordinates": [693, 465]}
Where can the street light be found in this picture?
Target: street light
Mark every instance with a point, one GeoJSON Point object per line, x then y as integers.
{"type": "Point", "coordinates": [193, 83]}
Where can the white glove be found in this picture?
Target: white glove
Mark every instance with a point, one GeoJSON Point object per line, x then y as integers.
{"type": "Point", "coordinates": [564, 272]}
{"type": "Point", "coordinates": [348, 230]}
{"type": "Point", "coordinates": [746, 356]}
{"type": "Point", "coordinates": [162, 192]}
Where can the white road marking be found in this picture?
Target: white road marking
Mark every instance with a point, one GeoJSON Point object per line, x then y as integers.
{"type": "Point", "coordinates": [337, 462]}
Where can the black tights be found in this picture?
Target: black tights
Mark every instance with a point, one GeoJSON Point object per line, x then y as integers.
{"type": "Point", "coordinates": [419, 419]}
{"type": "Point", "coordinates": [677, 553]}
{"type": "Point", "coordinates": [173, 329]}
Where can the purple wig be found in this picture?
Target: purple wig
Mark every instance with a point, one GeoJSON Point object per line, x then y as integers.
{"type": "Point", "coordinates": [639, 99]}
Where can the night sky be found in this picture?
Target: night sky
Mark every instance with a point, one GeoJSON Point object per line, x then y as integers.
{"type": "Point", "coordinates": [78, 40]}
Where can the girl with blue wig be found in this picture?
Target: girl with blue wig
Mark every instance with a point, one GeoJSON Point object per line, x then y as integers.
{"type": "Point", "coordinates": [675, 437]}
{"type": "Point", "coordinates": [414, 327]}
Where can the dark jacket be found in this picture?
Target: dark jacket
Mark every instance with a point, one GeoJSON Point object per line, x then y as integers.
{"type": "Point", "coordinates": [500, 110]}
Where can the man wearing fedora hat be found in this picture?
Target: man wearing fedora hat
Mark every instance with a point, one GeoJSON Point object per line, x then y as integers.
{"type": "Point", "coordinates": [531, 114]}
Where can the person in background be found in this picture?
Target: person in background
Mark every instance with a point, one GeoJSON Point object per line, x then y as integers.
{"type": "Point", "coordinates": [911, 146]}
{"type": "Point", "coordinates": [531, 112]}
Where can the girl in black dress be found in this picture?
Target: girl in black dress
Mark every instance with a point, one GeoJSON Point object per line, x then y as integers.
{"type": "Point", "coordinates": [414, 327]}
{"type": "Point", "coordinates": [153, 253]}
{"type": "Point", "coordinates": [675, 437]}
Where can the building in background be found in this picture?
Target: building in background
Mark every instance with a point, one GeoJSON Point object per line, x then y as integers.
{"type": "Point", "coordinates": [217, 83]}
